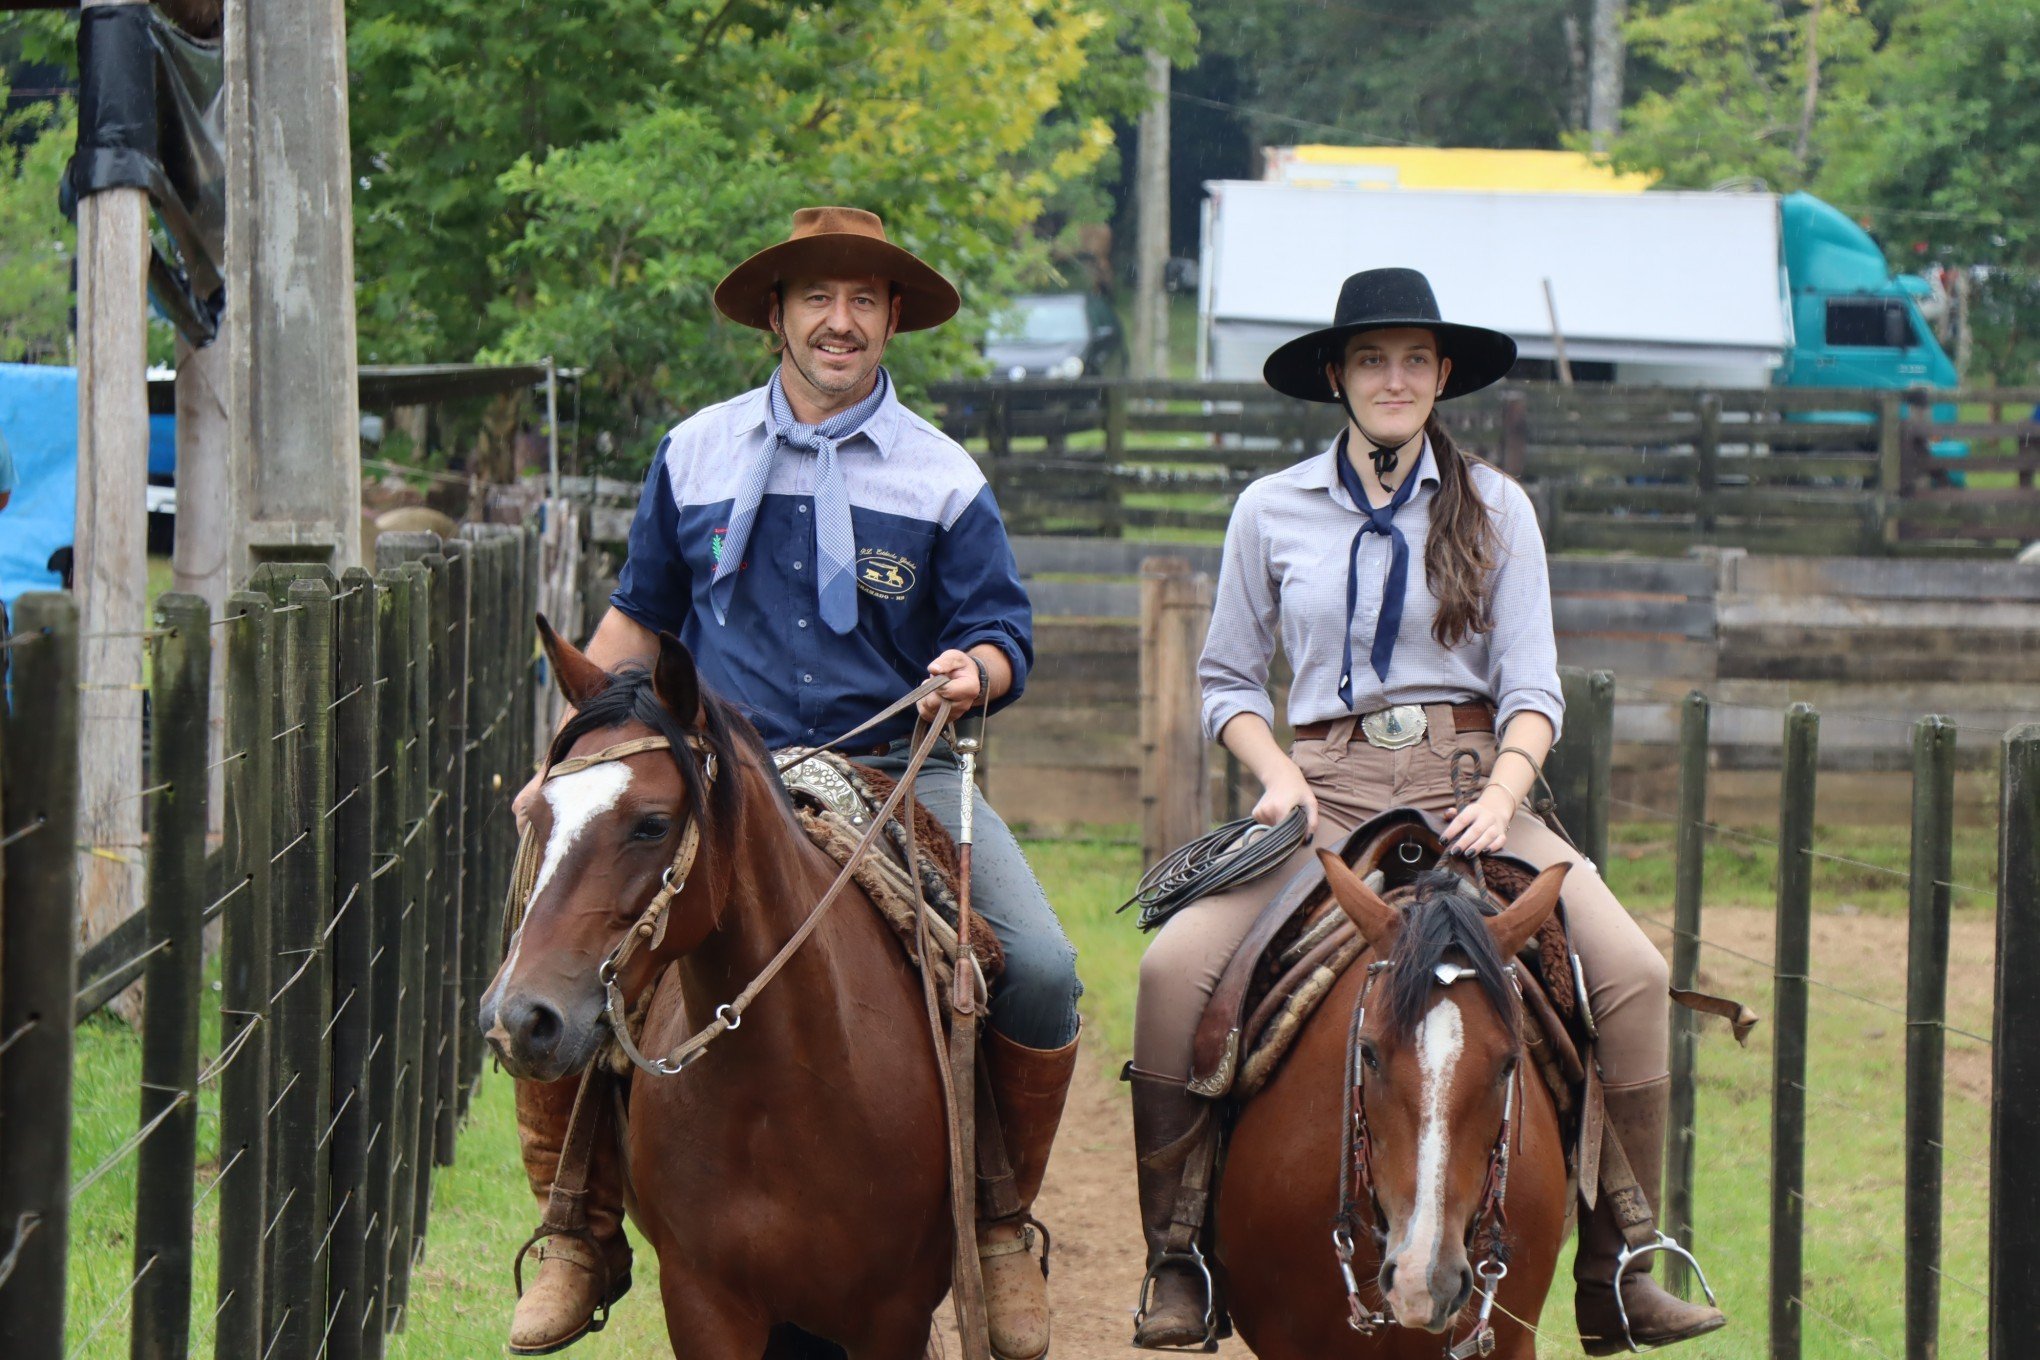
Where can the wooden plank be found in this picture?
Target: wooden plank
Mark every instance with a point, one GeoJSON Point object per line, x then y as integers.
{"type": "Point", "coordinates": [1105, 556]}
{"type": "Point", "coordinates": [1642, 575]}
{"type": "Point", "coordinates": [1676, 617]}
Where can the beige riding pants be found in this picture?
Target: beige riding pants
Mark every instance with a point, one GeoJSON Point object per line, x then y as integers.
{"type": "Point", "coordinates": [1353, 781]}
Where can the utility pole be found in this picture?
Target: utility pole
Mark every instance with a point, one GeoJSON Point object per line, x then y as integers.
{"type": "Point", "coordinates": [1604, 73]}
{"type": "Point", "coordinates": [110, 539]}
{"type": "Point", "coordinates": [1151, 244]}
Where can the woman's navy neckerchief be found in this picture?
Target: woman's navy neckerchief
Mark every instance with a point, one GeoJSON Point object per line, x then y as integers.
{"type": "Point", "coordinates": [1377, 520]}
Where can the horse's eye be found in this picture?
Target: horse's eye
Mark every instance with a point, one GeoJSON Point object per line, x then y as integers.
{"type": "Point", "coordinates": [651, 829]}
{"type": "Point", "coordinates": [1368, 1056]}
{"type": "Point", "coordinates": [1508, 1067]}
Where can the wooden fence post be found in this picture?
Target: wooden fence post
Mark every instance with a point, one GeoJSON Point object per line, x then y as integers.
{"type": "Point", "coordinates": [1115, 420]}
{"type": "Point", "coordinates": [1788, 1000]}
{"type": "Point", "coordinates": [1890, 466]}
{"type": "Point", "coordinates": [1707, 460]}
{"type": "Point", "coordinates": [304, 998]}
{"type": "Point", "coordinates": [351, 944]}
{"type": "Point", "coordinates": [245, 975]}
{"type": "Point", "coordinates": [427, 624]}
{"type": "Point", "coordinates": [1175, 610]}
{"type": "Point", "coordinates": [1578, 769]}
{"type": "Point", "coordinates": [1926, 1007]}
{"type": "Point", "coordinates": [406, 694]}
{"type": "Point", "coordinates": [1691, 831]}
{"type": "Point", "coordinates": [449, 723]}
{"type": "Point", "coordinates": [180, 687]}
{"type": "Point", "coordinates": [386, 962]}
{"type": "Point", "coordinates": [2015, 1056]}
{"type": "Point", "coordinates": [38, 970]}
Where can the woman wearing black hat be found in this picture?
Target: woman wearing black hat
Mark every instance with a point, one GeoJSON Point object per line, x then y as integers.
{"type": "Point", "coordinates": [1406, 584]}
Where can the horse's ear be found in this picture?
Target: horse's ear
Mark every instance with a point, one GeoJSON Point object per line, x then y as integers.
{"type": "Point", "coordinates": [1377, 921]}
{"type": "Point", "coordinates": [1523, 917]}
{"type": "Point", "coordinates": [579, 678]}
{"type": "Point", "coordinates": [676, 681]}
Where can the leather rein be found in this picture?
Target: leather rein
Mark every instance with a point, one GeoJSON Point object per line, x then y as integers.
{"type": "Point", "coordinates": [649, 930]}
{"type": "Point", "coordinates": [1486, 1234]}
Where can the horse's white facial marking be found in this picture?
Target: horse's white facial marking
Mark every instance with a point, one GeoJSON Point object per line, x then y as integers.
{"type": "Point", "coordinates": [576, 800]}
{"type": "Point", "coordinates": [1440, 1040]}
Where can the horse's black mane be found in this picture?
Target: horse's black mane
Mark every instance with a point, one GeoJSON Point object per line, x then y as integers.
{"type": "Point", "coordinates": [1443, 918]}
{"type": "Point", "coordinates": [726, 732]}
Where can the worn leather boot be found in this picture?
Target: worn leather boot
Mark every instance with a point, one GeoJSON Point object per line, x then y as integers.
{"type": "Point", "coordinates": [567, 1298]}
{"type": "Point", "coordinates": [1171, 1127]}
{"type": "Point", "coordinates": [1637, 1114]}
{"type": "Point", "coordinates": [1029, 1087]}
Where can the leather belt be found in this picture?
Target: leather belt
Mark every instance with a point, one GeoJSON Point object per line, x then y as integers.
{"type": "Point", "coordinates": [1474, 717]}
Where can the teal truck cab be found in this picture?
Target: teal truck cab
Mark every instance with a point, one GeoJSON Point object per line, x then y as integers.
{"type": "Point", "coordinates": [1854, 322]}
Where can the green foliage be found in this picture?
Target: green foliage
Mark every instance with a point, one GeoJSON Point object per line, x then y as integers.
{"type": "Point", "coordinates": [532, 186]}
{"type": "Point", "coordinates": [1503, 73]}
{"type": "Point", "coordinates": [36, 243]}
{"type": "Point", "coordinates": [1734, 107]}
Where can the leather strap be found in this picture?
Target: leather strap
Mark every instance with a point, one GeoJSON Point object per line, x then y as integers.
{"type": "Point", "coordinates": [566, 1207]}
{"type": "Point", "coordinates": [1474, 717]}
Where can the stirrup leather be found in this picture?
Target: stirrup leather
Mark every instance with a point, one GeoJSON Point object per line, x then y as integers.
{"type": "Point", "coordinates": [1630, 1254]}
{"type": "Point", "coordinates": [1194, 1257]}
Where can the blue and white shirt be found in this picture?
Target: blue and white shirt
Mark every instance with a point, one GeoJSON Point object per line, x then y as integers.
{"type": "Point", "coordinates": [934, 569]}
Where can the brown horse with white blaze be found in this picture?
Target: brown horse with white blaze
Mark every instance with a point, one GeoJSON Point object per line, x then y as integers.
{"type": "Point", "coordinates": [792, 1180]}
{"type": "Point", "coordinates": [1453, 1153]}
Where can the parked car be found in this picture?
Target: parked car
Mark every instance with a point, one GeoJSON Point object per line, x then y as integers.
{"type": "Point", "coordinates": [1058, 336]}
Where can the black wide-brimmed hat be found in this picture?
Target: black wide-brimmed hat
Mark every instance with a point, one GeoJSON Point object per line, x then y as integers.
{"type": "Point", "coordinates": [1380, 300]}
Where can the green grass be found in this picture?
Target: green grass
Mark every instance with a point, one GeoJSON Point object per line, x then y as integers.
{"type": "Point", "coordinates": [461, 1292]}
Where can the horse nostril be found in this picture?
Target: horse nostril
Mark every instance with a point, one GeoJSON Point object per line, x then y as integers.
{"type": "Point", "coordinates": [1387, 1278]}
{"type": "Point", "coordinates": [1463, 1292]}
{"type": "Point", "coordinates": [543, 1028]}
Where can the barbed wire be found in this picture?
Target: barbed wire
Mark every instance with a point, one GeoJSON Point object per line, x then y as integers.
{"type": "Point", "coordinates": [25, 1225]}
{"type": "Point", "coordinates": [41, 820]}
{"type": "Point", "coordinates": [1854, 1338]}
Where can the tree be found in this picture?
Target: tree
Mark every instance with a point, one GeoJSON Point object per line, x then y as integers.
{"type": "Point", "coordinates": [1763, 90]}
{"type": "Point", "coordinates": [36, 243]}
{"type": "Point", "coordinates": [1500, 73]}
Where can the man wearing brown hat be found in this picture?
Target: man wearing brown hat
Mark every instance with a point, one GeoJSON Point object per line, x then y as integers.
{"type": "Point", "coordinates": [821, 549]}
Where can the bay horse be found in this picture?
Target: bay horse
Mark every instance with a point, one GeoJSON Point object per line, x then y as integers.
{"type": "Point", "coordinates": [1412, 1071]}
{"type": "Point", "coordinates": [793, 1180]}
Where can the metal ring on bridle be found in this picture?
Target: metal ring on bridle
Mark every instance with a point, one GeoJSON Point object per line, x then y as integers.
{"type": "Point", "coordinates": [729, 1017]}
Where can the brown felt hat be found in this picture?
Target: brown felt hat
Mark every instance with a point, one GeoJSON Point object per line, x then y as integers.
{"type": "Point", "coordinates": [836, 243]}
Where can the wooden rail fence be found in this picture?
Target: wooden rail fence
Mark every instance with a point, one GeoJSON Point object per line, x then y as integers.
{"type": "Point", "coordinates": [376, 727]}
{"type": "Point", "coordinates": [1648, 469]}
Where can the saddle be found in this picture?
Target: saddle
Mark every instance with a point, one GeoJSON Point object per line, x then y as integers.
{"type": "Point", "coordinates": [1302, 943]}
{"type": "Point", "coordinates": [835, 799]}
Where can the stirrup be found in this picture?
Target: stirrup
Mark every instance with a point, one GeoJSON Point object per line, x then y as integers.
{"type": "Point", "coordinates": [1195, 1257]}
{"type": "Point", "coordinates": [1665, 1243]}
{"type": "Point", "coordinates": [606, 1295]}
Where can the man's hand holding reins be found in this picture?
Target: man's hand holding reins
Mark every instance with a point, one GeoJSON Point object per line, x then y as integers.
{"type": "Point", "coordinates": [965, 671]}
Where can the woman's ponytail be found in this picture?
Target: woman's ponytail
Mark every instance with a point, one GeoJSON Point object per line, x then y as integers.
{"type": "Point", "coordinates": [1462, 550]}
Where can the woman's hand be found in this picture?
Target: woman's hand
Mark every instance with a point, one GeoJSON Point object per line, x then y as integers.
{"type": "Point", "coordinates": [1482, 827]}
{"type": "Point", "coordinates": [1286, 791]}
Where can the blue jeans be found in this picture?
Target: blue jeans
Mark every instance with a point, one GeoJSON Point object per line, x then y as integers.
{"type": "Point", "coordinates": [1035, 1002]}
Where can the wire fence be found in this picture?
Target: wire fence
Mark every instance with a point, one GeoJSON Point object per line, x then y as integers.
{"type": "Point", "coordinates": [275, 1190]}
{"type": "Point", "coordinates": [1865, 1152]}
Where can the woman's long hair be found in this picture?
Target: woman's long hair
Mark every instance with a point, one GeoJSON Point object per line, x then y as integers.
{"type": "Point", "coordinates": [1462, 551]}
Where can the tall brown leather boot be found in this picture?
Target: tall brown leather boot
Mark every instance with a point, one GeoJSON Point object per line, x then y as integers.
{"type": "Point", "coordinates": [1637, 1114]}
{"type": "Point", "coordinates": [1030, 1087]}
{"type": "Point", "coordinates": [566, 1300]}
{"type": "Point", "coordinates": [1172, 1142]}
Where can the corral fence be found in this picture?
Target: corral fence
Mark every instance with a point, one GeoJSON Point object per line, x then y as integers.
{"type": "Point", "coordinates": [1830, 1232]}
{"type": "Point", "coordinates": [375, 728]}
{"type": "Point", "coordinates": [1611, 467]}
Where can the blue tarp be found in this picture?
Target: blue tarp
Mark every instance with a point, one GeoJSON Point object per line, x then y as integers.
{"type": "Point", "coordinates": [39, 421]}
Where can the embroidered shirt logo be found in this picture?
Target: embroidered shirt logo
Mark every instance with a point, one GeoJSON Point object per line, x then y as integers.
{"type": "Point", "coordinates": [884, 573]}
{"type": "Point", "coordinates": [715, 543]}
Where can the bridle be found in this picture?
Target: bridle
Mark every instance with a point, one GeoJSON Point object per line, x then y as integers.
{"type": "Point", "coordinates": [649, 929]}
{"type": "Point", "coordinates": [1486, 1233]}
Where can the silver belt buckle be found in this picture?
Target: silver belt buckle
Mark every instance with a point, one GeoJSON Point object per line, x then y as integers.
{"type": "Point", "coordinates": [1394, 728]}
